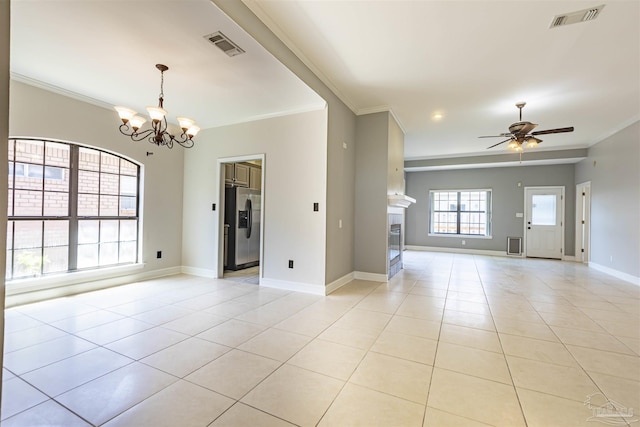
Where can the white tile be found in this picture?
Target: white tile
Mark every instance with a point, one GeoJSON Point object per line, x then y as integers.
{"type": "Point", "coordinates": [244, 415]}
{"type": "Point", "coordinates": [108, 396]}
{"type": "Point", "coordinates": [18, 396]}
{"type": "Point", "coordinates": [36, 335]}
{"type": "Point", "coordinates": [275, 344]}
{"type": "Point", "coordinates": [69, 373]}
{"type": "Point", "coordinates": [407, 347]}
{"type": "Point", "coordinates": [146, 342]}
{"type": "Point", "coordinates": [483, 400]}
{"type": "Point", "coordinates": [180, 404]}
{"type": "Point", "coordinates": [360, 406]}
{"type": "Point", "coordinates": [398, 377]}
{"type": "Point", "coordinates": [86, 321]}
{"type": "Point", "coordinates": [114, 331]}
{"type": "Point", "coordinates": [234, 373]}
{"type": "Point", "coordinates": [193, 324]}
{"type": "Point", "coordinates": [46, 414]}
{"type": "Point", "coordinates": [183, 358]}
{"type": "Point", "coordinates": [328, 358]}
{"type": "Point", "coordinates": [295, 394]}
{"type": "Point", "coordinates": [232, 333]}
{"type": "Point", "coordinates": [37, 356]}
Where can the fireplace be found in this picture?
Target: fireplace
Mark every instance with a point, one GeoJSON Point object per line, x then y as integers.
{"type": "Point", "coordinates": [395, 244]}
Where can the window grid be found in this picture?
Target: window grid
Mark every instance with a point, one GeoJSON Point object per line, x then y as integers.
{"type": "Point", "coordinates": [460, 212]}
{"type": "Point", "coordinates": [44, 216]}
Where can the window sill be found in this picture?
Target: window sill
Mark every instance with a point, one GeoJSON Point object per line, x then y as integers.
{"type": "Point", "coordinates": [460, 236]}
{"type": "Point", "coordinates": [20, 286]}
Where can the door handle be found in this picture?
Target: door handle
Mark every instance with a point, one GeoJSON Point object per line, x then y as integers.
{"type": "Point", "coordinates": [249, 209]}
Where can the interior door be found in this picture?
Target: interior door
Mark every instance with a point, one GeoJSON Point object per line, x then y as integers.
{"type": "Point", "coordinates": [544, 222]}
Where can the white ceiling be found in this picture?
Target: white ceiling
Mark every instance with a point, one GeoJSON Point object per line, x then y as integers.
{"type": "Point", "coordinates": [468, 60]}
{"type": "Point", "coordinates": [106, 50]}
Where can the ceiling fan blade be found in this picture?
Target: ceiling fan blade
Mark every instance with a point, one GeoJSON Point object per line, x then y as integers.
{"type": "Point", "coordinates": [548, 131]}
{"type": "Point", "coordinates": [502, 135]}
{"type": "Point", "coordinates": [502, 142]}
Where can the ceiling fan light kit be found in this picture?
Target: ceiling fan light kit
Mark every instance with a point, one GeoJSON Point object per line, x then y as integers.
{"type": "Point", "coordinates": [157, 134]}
{"type": "Point", "coordinates": [520, 134]}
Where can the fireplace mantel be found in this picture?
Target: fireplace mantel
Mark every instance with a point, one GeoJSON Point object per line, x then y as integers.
{"type": "Point", "coordinates": [400, 200]}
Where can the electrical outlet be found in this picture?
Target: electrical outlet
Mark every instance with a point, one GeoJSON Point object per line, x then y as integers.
{"type": "Point", "coordinates": [159, 254]}
{"type": "Point", "coordinates": [464, 242]}
{"type": "Point", "coordinates": [290, 263]}
{"type": "Point", "coordinates": [316, 206]}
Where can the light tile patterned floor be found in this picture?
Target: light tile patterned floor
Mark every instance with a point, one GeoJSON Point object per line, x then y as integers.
{"type": "Point", "coordinates": [453, 340]}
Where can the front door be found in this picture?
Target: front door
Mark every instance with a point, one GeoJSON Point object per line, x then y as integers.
{"type": "Point", "coordinates": [544, 227]}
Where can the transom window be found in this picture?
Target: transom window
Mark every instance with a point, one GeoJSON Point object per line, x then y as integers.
{"type": "Point", "coordinates": [69, 208]}
{"type": "Point", "coordinates": [460, 212]}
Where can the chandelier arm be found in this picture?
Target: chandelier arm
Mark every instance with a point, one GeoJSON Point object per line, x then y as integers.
{"type": "Point", "coordinates": [134, 135]}
{"type": "Point", "coordinates": [186, 144]}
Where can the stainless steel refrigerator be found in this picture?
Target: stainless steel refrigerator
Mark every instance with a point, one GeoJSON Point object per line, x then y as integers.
{"type": "Point", "coordinates": [242, 215]}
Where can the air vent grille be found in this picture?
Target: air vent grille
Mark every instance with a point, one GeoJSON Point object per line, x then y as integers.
{"type": "Point", "coordinates": [224, 43]}
{"type": "Point", "coordinates": [575, 17]}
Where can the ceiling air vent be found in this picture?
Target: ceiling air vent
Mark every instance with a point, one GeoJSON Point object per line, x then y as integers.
{"type": "Point", "coordinates": [224, 43]}
{"type": "Point", "coordinates": [575, 17]}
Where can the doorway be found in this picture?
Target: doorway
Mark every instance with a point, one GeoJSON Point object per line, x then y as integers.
{"type": "Point", "coordinates": [544, 222]}
{"type": "Point", "coordinates": [583, 222]}
{"type": "Point", "coordinates": [240, 219]}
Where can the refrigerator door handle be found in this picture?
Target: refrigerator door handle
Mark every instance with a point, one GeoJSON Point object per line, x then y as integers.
{"type": "Point", "coordinates": [249, 209]}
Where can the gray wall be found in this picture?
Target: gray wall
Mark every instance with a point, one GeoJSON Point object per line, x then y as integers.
{"type": "Point", "coordinates": [341, 128]}
{"type": "Point", "coordinates": [67, 119]}
{"type": "Point", "coordinates": [4, 132]}
{"type": "Point", "coordinates": [613, 169]}
{"type": "Point", "coordinates": [372, 132]}
{"type": "Point", "coordinates": [507, 200]}
{"type": "Point", "coordinates": [341, 192]}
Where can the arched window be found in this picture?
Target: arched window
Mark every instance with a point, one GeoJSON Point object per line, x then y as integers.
{"type": "Point", "coordinates": [70, 208]}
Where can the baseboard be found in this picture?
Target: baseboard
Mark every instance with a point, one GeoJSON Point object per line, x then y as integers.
{"type": "Point", "coordinates": [307, 288]}
{"type": "Point", "coordinates": [338, 283]}
{"type": "Point", "coordinates": [615, 273]}
{"type": "Point", "coordinates": [372, 277]}
{"type": "Point", "coordinates": [15, 297]}
{"type": "Point", "coordinates": [200, 272]}
{"type": "Point", "coordinates": [459, 251]}
{"type": "Point", "coordinates": [570, 258]}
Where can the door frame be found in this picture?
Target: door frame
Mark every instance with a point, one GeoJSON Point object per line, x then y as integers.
{"type": "Point", "coordinates": [562, 220]}
{"type": "Point", "coordinates": [220, 200]}
{"type": "Point", "coordinates": [583, 213]}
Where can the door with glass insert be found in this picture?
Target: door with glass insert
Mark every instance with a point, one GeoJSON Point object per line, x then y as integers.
{"type": "Point", "coordinates": [544, 222]}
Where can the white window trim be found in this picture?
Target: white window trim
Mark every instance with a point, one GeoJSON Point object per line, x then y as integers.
{"type": "Point", "coordinates": [463, 236]}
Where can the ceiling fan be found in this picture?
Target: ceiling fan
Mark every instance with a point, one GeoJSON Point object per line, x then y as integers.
{"type": "Point", "coordinates": [520, 133]}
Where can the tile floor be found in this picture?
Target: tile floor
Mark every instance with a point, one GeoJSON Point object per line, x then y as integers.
{"type": "Point", "coordinates": [453, 340]}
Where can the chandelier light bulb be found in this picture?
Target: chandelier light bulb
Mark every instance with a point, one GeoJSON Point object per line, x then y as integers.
{"type": "Point", "coordinates": [185, 122]}
{"type": "Point", "coordinates": [193, 131]}
{"type": "Point", "coordinates": [125, 113]}
{"type": "Point", "coordinates": [156, 113]}
{"type": "Point", "coordinates": [136, 122]}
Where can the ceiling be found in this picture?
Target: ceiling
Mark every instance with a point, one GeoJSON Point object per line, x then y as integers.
{"type": "Point", "coordinates": [469, 61]}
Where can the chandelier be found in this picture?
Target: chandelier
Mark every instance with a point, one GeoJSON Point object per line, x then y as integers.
{"type": "Point", "coordinates": [157, 134]}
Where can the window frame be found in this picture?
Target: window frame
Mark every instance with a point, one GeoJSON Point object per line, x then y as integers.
{"type": "Point", "coordinates": [72, 217]}
{"type": "Point", "coordinates": [458, 211]}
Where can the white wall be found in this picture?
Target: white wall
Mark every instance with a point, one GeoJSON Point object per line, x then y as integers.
{"type": "Point", "coordinates": [295, 149]}
{"type": "Point", "coordinates": [35, 112]}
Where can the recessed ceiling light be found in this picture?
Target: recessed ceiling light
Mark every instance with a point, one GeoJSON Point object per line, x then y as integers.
{"type": "Point", "coordinates": [437, 116]}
